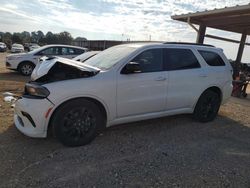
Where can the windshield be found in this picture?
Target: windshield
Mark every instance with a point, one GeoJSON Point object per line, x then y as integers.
{"type": "Point", "coordinates": [108, 58]}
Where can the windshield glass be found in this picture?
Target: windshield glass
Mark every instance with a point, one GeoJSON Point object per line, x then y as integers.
{"type": "Point", "coordinates": [108, 58]}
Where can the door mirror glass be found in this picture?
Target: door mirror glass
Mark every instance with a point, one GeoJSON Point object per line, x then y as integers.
{"type": "Point", "coordinates": [131, 67]}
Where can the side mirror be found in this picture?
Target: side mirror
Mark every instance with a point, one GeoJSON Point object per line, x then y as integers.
{"type": "Point", "coordinates": [131, 67]}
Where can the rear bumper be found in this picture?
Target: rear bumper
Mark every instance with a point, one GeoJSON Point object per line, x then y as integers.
{"type": "Point", "coordinates": [29, 116]}
{"type": "Point", "coordinates": [227, 90]}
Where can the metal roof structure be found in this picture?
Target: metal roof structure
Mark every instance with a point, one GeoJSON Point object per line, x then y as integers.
{"type": "Point", "coordinates": [234, 19]}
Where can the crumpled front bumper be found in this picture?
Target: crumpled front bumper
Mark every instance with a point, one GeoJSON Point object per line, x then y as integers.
{"type": "Point", "coordinates": [30, 116]}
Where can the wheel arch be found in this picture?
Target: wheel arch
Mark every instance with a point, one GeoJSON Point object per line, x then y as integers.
{"type": "Point", "coordinates": [25, 61]}
{"type": "Point", "coordinates": [94, 100]}
{"type": "Point", "coordinates": [215, 89]}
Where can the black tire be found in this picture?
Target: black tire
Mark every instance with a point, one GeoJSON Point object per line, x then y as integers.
{"type": "Point", "coordinates": [207, 106]}
{"type": "Point", "coordinates": [26, 68]}
{"type": "Point", "coordinates": [77, 122]}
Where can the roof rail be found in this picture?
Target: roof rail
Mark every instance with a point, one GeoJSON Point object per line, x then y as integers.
{"type": "Point", "coordinates": [189, 43]}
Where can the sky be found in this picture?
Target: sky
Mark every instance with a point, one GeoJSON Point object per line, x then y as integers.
{"type": "Point", "coordinates": [115, 19]}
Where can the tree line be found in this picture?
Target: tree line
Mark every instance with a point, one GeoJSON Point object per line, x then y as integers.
{"type": "Point", "coordinates": [36, 37]}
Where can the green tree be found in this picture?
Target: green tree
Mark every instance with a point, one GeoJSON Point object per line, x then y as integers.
{"type": "Point", "coordinates": [65, 38]}
{"type": "Point", "coordinates": [17, 38]}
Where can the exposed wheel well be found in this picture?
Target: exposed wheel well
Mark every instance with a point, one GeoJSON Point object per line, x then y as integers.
{"type": "Point", "coordinates": [98, 103]}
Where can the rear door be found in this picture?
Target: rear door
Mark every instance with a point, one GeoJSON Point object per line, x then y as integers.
{"type": "Point", "coordinates": [187, 78]}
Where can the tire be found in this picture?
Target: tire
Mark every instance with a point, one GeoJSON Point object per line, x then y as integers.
{"type": "Point", "coordinates": [26, 68]}
{"type": "Point", "coordinates": [77, 122]}
{"type": "Point", "coordinates": [207, 106]}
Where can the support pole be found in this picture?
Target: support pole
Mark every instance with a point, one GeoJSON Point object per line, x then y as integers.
{"type": "Point", "coordinates": [239, 55]}
{"type": "Point", "coordinates": [241, 48]}
{"type": "Point", "coordinates": [201, 34]}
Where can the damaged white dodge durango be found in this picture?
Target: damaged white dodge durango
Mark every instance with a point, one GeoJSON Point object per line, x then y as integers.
{"type": "Point", "coordinates": [122, 84]}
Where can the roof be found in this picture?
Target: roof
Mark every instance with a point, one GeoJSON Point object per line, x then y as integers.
{"type": "Point", "coordinates": [62, 45]}
{"type": "Point", "coordinates": [234, 19]}
{"type": "Point", "coordinates": [168, 44]}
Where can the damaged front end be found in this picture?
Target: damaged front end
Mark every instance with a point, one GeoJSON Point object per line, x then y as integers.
{"type": "Point", "coordinates": [56, 69]}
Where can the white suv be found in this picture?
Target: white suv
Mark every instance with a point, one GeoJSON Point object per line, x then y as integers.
{"type": "Point", "coordinates": [123, 84]}
{"type": "Point", "coordinates": [26, 62]}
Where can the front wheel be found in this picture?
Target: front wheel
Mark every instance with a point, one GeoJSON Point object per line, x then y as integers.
{"type": "Point", "coordinates": [207, 106]}
{"type": "Point", "coordinates": [26, 68]}
{"type": "Point", "coordinates": [77, 122]}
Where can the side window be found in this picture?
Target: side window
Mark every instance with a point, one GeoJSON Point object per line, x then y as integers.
{"type": "Point", "coordinates": [179, 59]}
{"type": "Point", "coordinates": [65, 51]}
{"type": "Point", "coordinates": [71, 51]}
{"type": "Point", "coordinates": [78, 51]}
{"type": "Point", "coordinates": [150, 60]}
{"type": "Point", "coordinates": [212, 58]}
{"type": "Point", "coordinates": [51, 51]}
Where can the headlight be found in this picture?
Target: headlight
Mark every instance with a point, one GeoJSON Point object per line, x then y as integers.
{"type": "Point", "coordinates": [36, 90]}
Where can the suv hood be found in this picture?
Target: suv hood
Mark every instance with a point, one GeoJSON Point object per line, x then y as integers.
{"type": "Point", "coordinates": [58, 68]}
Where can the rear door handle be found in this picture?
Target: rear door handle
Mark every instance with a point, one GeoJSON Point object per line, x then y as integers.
{"type": "Point", "coordinates": [160, 78]}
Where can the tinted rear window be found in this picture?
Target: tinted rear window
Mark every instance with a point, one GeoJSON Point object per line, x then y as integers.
{"type": "Point", "coordinates": [178, 59]}
{"type": "Point", "coordinates": [212, 58]}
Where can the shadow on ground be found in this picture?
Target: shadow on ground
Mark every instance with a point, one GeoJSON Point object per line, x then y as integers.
{"type": "Point", "coordinates": [13, 76]}
{"type": "Point", "coordinates": [173, 151]}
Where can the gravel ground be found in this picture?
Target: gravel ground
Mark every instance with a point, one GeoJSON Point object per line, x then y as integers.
{"type": "Point", "coordinates": [167, 152]}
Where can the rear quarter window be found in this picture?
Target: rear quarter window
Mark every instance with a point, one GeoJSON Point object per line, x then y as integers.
{"type": "Point", "coordinates": [212, 58]}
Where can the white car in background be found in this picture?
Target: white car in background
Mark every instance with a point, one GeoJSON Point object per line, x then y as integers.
{"type": "Point", "coordinates": [3, 47]}
{"type": "Point", "coordinates": [17, 48]}
{"type": "Point", "coordinates": [85, 56]}
{"type": "Point", "coordinates": [33, 47]}
{"type": "Point", "coordinates": [124, 83]}
{"type": "Point", "coordinates": [26, 62]}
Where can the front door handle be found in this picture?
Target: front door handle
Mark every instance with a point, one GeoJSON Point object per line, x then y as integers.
{"type": "Point", "coordinates": [160, 78]}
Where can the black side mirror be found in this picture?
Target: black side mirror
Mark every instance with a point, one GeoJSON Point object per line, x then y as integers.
{"type": "Point", "coordinates": [131, 67]}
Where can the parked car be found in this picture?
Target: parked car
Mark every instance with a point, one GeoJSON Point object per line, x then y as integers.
{"type": "Point", "coordinates": [85, 56]}
{"type": "Point", "coordinates": [17, 48]}
{"type": "Point", "coordinates": [30, 46]}
{"type": "Point", "coordinates": [26, 62]}
{"type": "Point", "coordinates": [122, 84]}
{"type": "Point", "coordinates": [3, 47]}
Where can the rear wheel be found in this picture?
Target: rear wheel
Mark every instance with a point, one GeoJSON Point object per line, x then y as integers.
{"type": "Point", "coordinates": [77, 122]}
{"type": "Point", "coordinates": [26, 68]}
{"type": "Point", "coordinates": [207, 106]}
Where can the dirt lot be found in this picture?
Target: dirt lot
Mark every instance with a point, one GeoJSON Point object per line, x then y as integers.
{"type": "Point", "coordinates": [167, 152]}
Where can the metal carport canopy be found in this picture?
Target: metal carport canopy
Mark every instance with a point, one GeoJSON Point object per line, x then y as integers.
{"type": "Point", "coordinates": [234, 19]}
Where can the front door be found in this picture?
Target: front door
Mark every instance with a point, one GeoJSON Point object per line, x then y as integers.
{"type": "Point", "coordinates": [143, 92]}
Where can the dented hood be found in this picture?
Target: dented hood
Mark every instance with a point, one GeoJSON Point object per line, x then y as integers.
{"type": "Point", "coordinates": [45, 64]}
